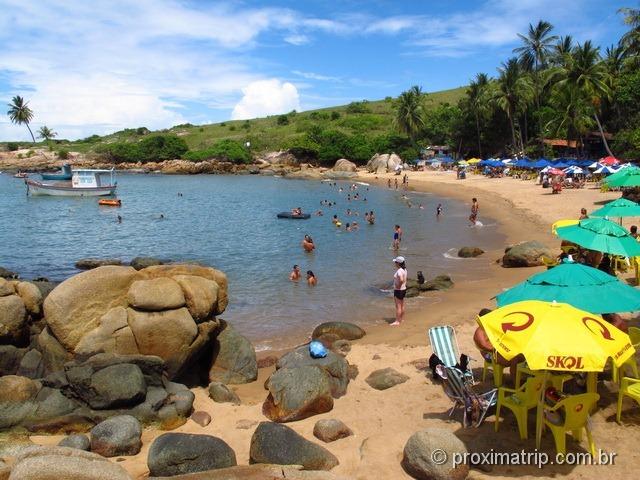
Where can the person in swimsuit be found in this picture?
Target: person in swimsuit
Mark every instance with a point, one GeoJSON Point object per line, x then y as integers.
{"type": "Point", "coordinates": [294, 276]}
{"type": "Point", "coordinates": [397, 237]}
{"type": "Point", "coordinates": [312, 281]}
{"type": "Point", "coordinates": [475, 207]}
{"type": "Point", "coordinates": [307, 244]}
{"type": "Point", "coordinates": [372, 218]}
{"type": "Point", "coordinates": [399, 289]}
{"type": "Point", "coordinates": [335, 219]}
{"type": "Point", "coordinates": [439, 210]}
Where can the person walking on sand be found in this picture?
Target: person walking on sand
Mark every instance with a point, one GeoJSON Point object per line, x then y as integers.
{"type": "Point", "coordinates": [475, 208]}
{"type": "Point", "coordinates": [389, 183]}
{"type": "Point", "coordinates": [397, 237]}
{"type": "Point", "coordinates": [396, 182]}
{"type": "Point", "coordinates": [312, 281]}
{"type": "Point", "coordinates": [399, 289]}
{"type": "Point", "coordinates": [294, 276]}
{"type": "Point", "coordinates": [307, 244]}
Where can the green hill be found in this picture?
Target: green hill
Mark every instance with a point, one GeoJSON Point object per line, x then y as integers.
{"type": "Point", "coordinates": [365, 118]}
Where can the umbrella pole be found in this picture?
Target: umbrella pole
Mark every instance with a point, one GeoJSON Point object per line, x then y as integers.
{"type": "Point", "coordinates": [540, 412]}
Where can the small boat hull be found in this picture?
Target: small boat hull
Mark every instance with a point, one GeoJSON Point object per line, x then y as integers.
{"type": "Point", "coordinates": [36, 188]}
{"type": "Point", "coordinates": [289, 215]}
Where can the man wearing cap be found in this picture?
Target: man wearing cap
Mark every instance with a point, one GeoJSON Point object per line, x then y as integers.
{"type": "Point", "coordinates": [399, 288]}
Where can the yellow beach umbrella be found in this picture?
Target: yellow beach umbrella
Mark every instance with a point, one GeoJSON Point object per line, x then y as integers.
{"type": "Point", "coordinates": [556, 336]}
{"type": "Point", "coordinates": [563, 223]}
{"type": "Point", "coordinates": [473, 161]}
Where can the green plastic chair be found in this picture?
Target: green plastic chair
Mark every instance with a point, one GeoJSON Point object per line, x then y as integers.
{"type": "Point", "coordinates": [576, 410]}
{"type": "Point", "coordinates": [520, 401]}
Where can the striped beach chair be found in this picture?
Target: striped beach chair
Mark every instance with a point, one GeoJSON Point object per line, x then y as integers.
{"type": "Point", "coordinates": [475, 406]}
{"type": "Point", "coordinates": [445, 345]}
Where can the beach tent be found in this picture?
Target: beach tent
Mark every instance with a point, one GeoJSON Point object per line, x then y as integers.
{"type": "Point", "coordinates": [541, 163]}
{"type": "Point", "coordinates": [584, 287]}
{"type": "Point", "coordinates": [560, 165]}
{"type": "Point", "coordinates": [609, 161]}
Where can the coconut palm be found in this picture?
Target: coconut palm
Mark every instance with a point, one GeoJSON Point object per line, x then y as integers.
{"type": "Point", "coordinates": [586, 72]}
{"type": "Point", "coordinates": [477, 100]}
{"type": "Point", "coordinates": [561, 49]}
{"type": "Point", "coordinates": [533, 56]}
{"type": "Point", "coordinates": [511, 90]}
{"type": "Point", "coordinates": [46, 133]}
{"type": "Point", "coordinates": [574, 117]}
{"type": "Point", "coordinates": [631, 39]}
{"type": "Point", "coordinates": [19, 113]}
{"type": "Point", "coordinates": [409, 116]}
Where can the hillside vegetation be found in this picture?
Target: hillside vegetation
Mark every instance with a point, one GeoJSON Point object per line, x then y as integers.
{"type": "Point", "coordinates": [356, 130]}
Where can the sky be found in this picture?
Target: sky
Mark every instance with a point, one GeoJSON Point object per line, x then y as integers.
{"type": "Point", "coordinates": [95, 67]}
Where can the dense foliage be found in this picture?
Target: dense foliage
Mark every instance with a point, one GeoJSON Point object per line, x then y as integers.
{"type": "Point", "coordinates": [154, 148]}
{"type": "Point", "coordinates": [227, 150]}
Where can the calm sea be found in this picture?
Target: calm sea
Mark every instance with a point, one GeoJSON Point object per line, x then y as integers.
{"type": "Point", "coordinates": [230, 222]}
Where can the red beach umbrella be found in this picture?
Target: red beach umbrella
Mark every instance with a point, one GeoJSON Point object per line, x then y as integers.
{"type": "Point", "coordinates": [609, 161]}
{"type": "Point", "coordinates": [555, 171]}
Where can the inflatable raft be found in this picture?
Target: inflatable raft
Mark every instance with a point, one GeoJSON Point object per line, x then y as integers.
{"type": "Point", "coordinates": [110, 202]}
{"type": "Point", "coordinates": [304, 216]}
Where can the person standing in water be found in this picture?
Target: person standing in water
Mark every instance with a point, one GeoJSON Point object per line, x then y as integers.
{"type": "Point", "coordinates": [294, 276]}
{"type": "Point", "coordinates": [307, 244]}
{"type": "Point", "coordinates": [399, 289]}
{"type": "Point", "coordinates": [397, 237]}
{"type": "Point", "coordinates": [372, 218]}
{"type": "Point", "coordinates": [475, 208]}
{"type": "Point", "coordinates": [439, 210]}
{"type": "Point", "coordinates": [312, 281]}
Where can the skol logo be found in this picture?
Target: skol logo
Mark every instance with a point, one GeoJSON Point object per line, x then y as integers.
{"type": "Point", "coordinates": [603, 330]}
{"type": "Point", "coordinates": [517, 328]}
{"type": "Point", "coordinates": [561, 362]}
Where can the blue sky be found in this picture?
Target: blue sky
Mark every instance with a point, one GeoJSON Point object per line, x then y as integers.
{"type": "Point", "coordinates": [100, 66]}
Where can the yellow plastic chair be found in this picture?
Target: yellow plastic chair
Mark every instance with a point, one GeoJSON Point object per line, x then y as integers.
{"type": "Point", "coordinates": [520, 401]}
{"type": "Point", "coordinates": [620, 264]}
{"type": "Point", "coordinates": [576, 410]}
{"type": "Point", "coordinates": [629, 387]}
{"type": "Point", "coordinates": [496, 369]}
{"type": "Point", "coordinates": [549, 263]}
{"type": "Point", "coordinates": [557, 380]}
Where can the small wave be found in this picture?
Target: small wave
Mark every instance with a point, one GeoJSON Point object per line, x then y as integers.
{"type": "Point", "coordinates": [452, 254]}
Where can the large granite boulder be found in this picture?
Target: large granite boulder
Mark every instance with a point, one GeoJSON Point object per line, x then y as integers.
{"type": "Point", "coordinates": [6, 288]}
{"type": "Point", "coordinates": [54, 355]}
{"type": "Point", "coordinates": [156, 295]}
{"type": "Point", "coordinates": [344, 165]}
{"type": "Point", "coordinates": [31, 296]}
{"type": "Point", "coordinates": [10, 358]}
{"type": "Point", "coordinates": [112, 335]}
{"type": "Point", "coordinates": [282, 157]}
{"type": "Point", "coordinates": [220, 393]}
{"type": "Point", "coordinates": [278, 444]}
{"type": "Point", "coordinates": [116, 436]}
{"type": "Point", "coordinates": [58, 463]}
{"type": "Point", "coordinates": [334, 365]}
{"type": "Point", "coordinates": [162, 334]}
{"type": "Point", "coordinates": [77, 440]}
{"type": "Point", "coordinates": [13, 321]}
{"type": "Point", "coordinates": [383, 163]}
{"type": "Point", "coordinates": [16, 389]}
{"type": "Point", "coordinates": [234, 358]}
{"type": "Point", "coordinates": [75, 307]}
{"type": "Point", "coordinates": [526, 254]}
{"type": "Point", "coordinates": [201, 296]}
{"type": "Point", "coordinates": [31, 365]}
{"type": "Point", "coordinates": [117, 386]}
{"type": "Point", "coordinates": [342, 330]}
{"type": "Point", "coordinates": [297, 393]}
{"type": "Point", "coordinates": [180, 453]}
{"type": "Point", "coordinates": [428, 454]}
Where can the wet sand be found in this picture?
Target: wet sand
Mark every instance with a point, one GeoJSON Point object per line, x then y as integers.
{"type": "Point", "coordinates": [383, 421]}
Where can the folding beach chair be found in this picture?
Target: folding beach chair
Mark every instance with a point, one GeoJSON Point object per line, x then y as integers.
{"type": "Point", "coordinates": [475, 405]}
{"type": "Point", "coordinates": [445, 345]}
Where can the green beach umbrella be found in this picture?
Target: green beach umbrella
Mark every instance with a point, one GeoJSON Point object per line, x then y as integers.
{"type": "Point", "coordinates": [625, 177]}
{"type": "Point", "coordinates": [602, 236]}
{"type": "Point", "coordinates": [618, 208]}
{"type": "Point", "coordinates": [583, 287]}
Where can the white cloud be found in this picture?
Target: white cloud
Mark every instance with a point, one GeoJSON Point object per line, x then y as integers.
{"type": "Point", "coordinates": [316, 76]}
{"type": "Point", "coordinates": [297, 39]}
{"type": "Point", "coordinates": [266, 97]}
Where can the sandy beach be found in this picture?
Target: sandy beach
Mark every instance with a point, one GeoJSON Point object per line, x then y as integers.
{"type": "Point", "coordinates": [382, 421]}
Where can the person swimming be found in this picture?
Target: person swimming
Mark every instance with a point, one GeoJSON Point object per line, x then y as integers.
{"type": "Point", "coordinates": [347, 227]}
{"type": "Point", "coordinates": [119, 219]}
{"type": "Point", "coordinates": [294, 276]}
{"type": "Point", "coordinates": [335, 220]}
{"type": "Point", "coordinates": [307, 244]}
{"type": "Point", "coordinates": [312, 281]}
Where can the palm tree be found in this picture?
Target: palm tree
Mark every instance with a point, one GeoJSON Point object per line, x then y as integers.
{"type": "Point", "coordinates": [20, 113]}
{"type": "Point", "coordinates": [586, 72]}
{"type": "Point", "coordinates": [477, 96]}
{"type": "Point", "coordinates": [46, 133]}
{"type": "Point", "coordinates": [574, 119]}
{"type": "Point", "coordinates": [631, 39]}
{"type": "Point", "coordinates": [533, 55]}
{"type": "Point", "coordinates": [512, 87]}
{"type": "Point", "coordinates": [561, 49]}
{"type": "Point", "coordinates": [409, 117]}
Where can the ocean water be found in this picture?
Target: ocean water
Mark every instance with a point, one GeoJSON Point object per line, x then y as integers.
{"type": "Point", "coordinates": [229, 222]}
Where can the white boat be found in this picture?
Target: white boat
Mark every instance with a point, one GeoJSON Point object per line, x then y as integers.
{"type": "Point", "coordinates": [84, 183]}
